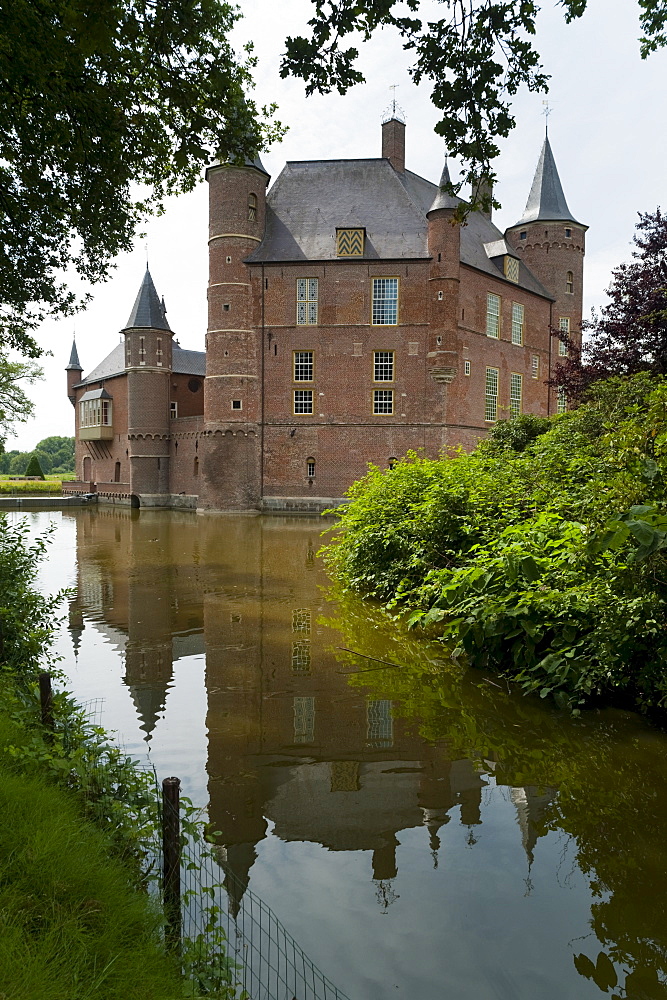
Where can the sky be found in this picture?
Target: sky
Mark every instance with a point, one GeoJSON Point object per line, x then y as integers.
{"type": "Point", "coordinates": [607, 128]}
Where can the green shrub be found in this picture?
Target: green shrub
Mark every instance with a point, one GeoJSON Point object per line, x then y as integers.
{"type": "Point", "coordinates": [34, 468]}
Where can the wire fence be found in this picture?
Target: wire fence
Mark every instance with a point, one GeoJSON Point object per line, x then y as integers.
{"type": "Point", "coordinates": [232, 946]}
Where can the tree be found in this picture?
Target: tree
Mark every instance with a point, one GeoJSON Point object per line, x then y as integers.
{"type": "Point", "coordinates": [97, 99]}
{"type": "Point", "coordinates": [476, 56]}
{"type": "Point", "coordinates": [629, 335]}
{"type": "Point", "coordinates": [34, 468]}
{"type": "Point", "coordinates": [15, 407]}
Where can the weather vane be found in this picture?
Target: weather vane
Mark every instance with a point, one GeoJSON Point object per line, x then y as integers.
{"type": "Point", "coordinates": [394, 110]}
{"type": "Point", "coordinates": [547, 111]}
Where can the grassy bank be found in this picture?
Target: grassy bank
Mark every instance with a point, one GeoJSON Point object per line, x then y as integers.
{"type": "Point", "coordinates": [540, 555]}
{"type": "Point", "coordinates": [72, 924]}
{"type": "Point", "coordinates": [13, 487]}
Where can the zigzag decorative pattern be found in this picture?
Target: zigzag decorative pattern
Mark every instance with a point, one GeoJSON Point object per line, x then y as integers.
{"type": "Point", "coordinates": [350, 242]}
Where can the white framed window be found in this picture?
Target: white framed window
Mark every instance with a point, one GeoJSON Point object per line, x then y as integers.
{"type": "Point", "coordinates": [383, 366]}
{"type": "Point", "coordinates": [534, 365]}
{"type": "Point", "coordinates": [564, 327]}
{"type": "Point", "coordinates": [95, 413]}
{"type": "Point", "coordinates": [466, 368]}
{"type": "Point", "coordinates": [303, 366]}
{"type": "Point", "coordinates": [512, 269]}
{"type": "Point", "coordinates": [310, 467]}
{"type": "Point", "coordinates": [237, 404]}
{"type": "Point", "coordinates": [385, 302]}
{"type": "Point", "coordinates": [380, 723]}
{"type": "Point", "coordinates": [491, 395]}
{"type": "Point", "coordinates": [304, 720]}
{"type": "Point", "coordinates": [301, 620]}
{"type": "Point", "coordinates": [303, 400]}
{"type": "Point", "coordinates": [383, 401]}
{"type": "Point", "coordinates": [568, 233]}
{"type": "Point", "coordinates": [173, 410]}
{"type": "Point", "coordinates": [301, 656]}
{"type": "Point", "coordinates": [569, 282]}
{"type": "Point", "coordinates": [561, 402]}
{"type": "Point", "coordinates": [516, 394]}
{"type": "Point", "coordinates": [306, 301]}
{"type": "Point", "coordinates": [518, 318]}
{"type": "Point", "coordinates": [493, 315]}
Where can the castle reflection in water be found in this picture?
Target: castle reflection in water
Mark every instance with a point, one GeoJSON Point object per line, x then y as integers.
{"type": "Point", "coordinates": [289, 740]}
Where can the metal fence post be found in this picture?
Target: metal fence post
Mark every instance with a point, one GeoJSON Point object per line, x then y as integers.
{"type": "Point", "coordinates": [171, 850]}
{"type": "Point", "coordinates": [46, 699]}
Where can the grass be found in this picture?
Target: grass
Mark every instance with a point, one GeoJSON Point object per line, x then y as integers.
{"type": "Point", "coordinates": [15, 488]}
{"type": "Point", "coordinates": [72, 926]}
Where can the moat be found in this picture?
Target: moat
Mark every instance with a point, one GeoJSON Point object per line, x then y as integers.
{"type": "Point", "coordinates": [422, 831]}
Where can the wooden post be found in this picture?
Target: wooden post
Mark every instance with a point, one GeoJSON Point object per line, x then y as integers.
{"type": "Point", "coordinates": [171, 850]}
{"type": "Point", "coordinates": [46, 699]}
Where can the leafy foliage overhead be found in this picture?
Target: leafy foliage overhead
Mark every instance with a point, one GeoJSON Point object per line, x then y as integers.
{"type": "Point", "coordinates": [97, 98]}
{"type": "Point", "coordinates": [15, 406]}
{"type": "Point", "coordinates": [477, 56]}
{"type": "Point", "coordinates": [630, 333]}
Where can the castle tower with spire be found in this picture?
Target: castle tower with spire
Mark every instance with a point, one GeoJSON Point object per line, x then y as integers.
{"type": "Point", "coordinates": [148, 350]}
{"type": "Point", "coordinates": [73, 370]}
{"type": "Point", "coordinates": [550, 241]}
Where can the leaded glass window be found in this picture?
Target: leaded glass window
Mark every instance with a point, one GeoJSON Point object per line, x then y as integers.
{"type": "Point", "coordinates": [306, 301]}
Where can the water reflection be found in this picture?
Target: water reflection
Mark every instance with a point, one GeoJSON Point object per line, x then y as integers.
{"type": "Point", "coordinates": [387, 765]}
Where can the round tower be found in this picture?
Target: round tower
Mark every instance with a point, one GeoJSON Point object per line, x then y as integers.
{"type": "Point", "coordinates": [231, 443]}
{"type": "Point", "coordinates": [74, 371]}
{"type": "Point", "coordinates": [444, 246]}
{"type": "Point", "coordinates": [148, 351]}
{"type": "Point", "coordinates": [552, 245]}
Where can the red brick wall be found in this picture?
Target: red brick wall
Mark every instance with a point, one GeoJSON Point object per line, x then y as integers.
{"type": "Point", "coordinates": [190, 403]}
{"type": "Point", "coordinates": [105, 454]}
{"type": "Point", "coordinates": [184, 449]}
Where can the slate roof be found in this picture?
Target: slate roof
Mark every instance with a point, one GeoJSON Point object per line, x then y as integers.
{"type": "Point", "coordinates": [148, 312]}
{"type": "Point", "coordinates": [546, 201]}
{"type": "Point", "coordinates": [183, 363]}
{"type": "Point", "coordinates": [74, 364]}
{"type": "Point", "coordinates": [310, 199]}
{"type": "Point", "coordinates": [443, 198]}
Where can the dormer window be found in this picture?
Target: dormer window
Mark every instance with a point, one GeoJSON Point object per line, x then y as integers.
{"type": "Point", "coordinates": [252, 207]}
{"type": "Point", "coordinates": [512, 269]}
{"type": "Point", "coordinates": [350, 242]}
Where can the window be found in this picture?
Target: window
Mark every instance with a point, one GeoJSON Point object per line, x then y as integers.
{"type": "Point", "coordinates": [158, 353]}
{"type": "Point", "coordinates": [95, 412]}
{"type": "Point", "coordinates": [385, 301]}
{"type": "Point", "coordinates": [440, 296]}
{"type": "Point", "coordinates": [116, 473]}
{"type": "Point", "coordinates": [523, 235]}
{"type": "Point", "coordinates": [304, 720]}
{"type": "Point", "coordinates": [173, 410]}
{"type": "Point", "coordinates": [568, 233]}
{"type": "Point", "coordinates": [301, 620]}
{"type": "Point", "coordinates": [310, 467]}
{"type": "Point", "coordinates": [564, 327]}
{"type": "Point", "coordinates": [517, 323]}
{"type": "Point", "coordinates": [535, 365]}
{"type": "Point", "coordinates": [383, 366]}
{"type": "Point", "coordinates": [350, 242]}
{"type": "Point", "coordinates": [466, 368]}
{"type": "Point", "coordinates": [252, 207]}
{"type": "Point", "coordinates": [303, 400]}
{"type": "Point", "coordinates": [512, 269]}
{"type": "Point", "coordinates": [195, 466]}
{"type": "Point", "coordinates": [516, 393]}
{"type": "Point", "coordinates": [306, 301]}
{"type": "Point", "coordinates": [569, 282]}
{"type": "Point", "coordinates": [383, 401]}
{"type": "Point", "coordinates": [493, 315]}
{"type": "Point", "coordinates": [380, 724]}
{"type": "Point", "coordinates": [142, 350]}
{"type": "Point", "coordinates": [237, 404]}
{"type": "Point", "coordinates": [561, 402]}
{"type": "Point", "coordinates": [301, 656]}
{"type": "Point", "coordinates": [391, 462]}
{"type": "Point", "coordinates": [491, 397]}
{"type": "Point", "coordinates": [303, 366]}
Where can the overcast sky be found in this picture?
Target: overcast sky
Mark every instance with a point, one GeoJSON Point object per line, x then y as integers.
{"type": "Point", "coordinates": [608, 131]}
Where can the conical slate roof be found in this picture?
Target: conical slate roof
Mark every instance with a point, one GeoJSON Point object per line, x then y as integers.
{"type": "Point", "coordinates": [147, 312]}
{"type": "Point", "coordinates": [546, 201]}
{"type": "Point", "coordinates": [74, 360]}
{"type": "Point", "coordinates": [443, 198]}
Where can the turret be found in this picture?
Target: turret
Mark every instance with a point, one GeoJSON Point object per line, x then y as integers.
{"type": "Point", "coordinates": [148, 349]}
{"type": "Point", "coordinates": [551, 243]}
{"type": "Point", "coordinates": [444, 245]}
{"type": "Point", "coordinates": [73, 370]}
{"type": "Point", "coordinates": [232, 388]}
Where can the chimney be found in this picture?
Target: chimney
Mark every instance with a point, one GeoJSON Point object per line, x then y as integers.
{"type": "Point", "coordinates": [482, 189]}
{"type": "Point", "coordinates": [393, 143]}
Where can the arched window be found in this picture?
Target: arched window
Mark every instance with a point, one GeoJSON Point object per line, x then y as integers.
{"type": "Point", "coordinates": [195, 467]}
{"type": "Point", "coordinates": [569, 282]}
{"type": "Point", "coordinates": [252, 207]}
{"type": "Point", "coordinates": [310, 467]}
{"type": "Point", "coordinates": [87, 469]}
{"type": "Point", "coordinates": [391, 462]}
{"type": "Point", "coordinates": [116, 473]}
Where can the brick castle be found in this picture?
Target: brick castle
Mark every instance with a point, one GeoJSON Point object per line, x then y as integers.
{"type": "Point", "coordinates": [350, 319]}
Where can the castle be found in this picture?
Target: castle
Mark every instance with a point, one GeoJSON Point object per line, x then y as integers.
{"type": "Point", "coordinates": [351, 318]}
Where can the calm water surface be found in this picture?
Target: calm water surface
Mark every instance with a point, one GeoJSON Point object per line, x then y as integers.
{"type": "Point", "coordinates": [420, 831]}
